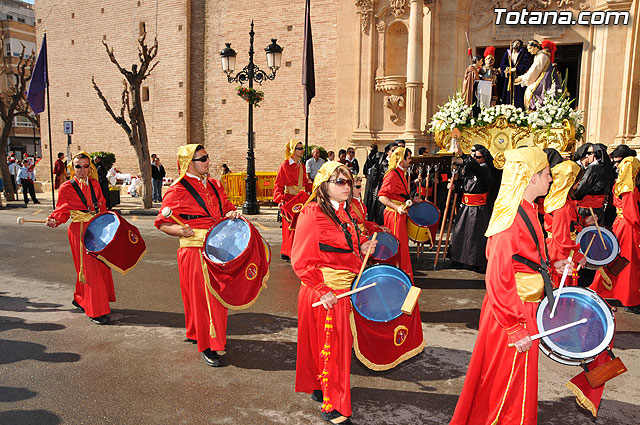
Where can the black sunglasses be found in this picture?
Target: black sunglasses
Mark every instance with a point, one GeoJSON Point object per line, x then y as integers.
{"type": "Point", "coordinates": [300, 148]}
{"type": "Point", "coordinates": [201, 159]}
{"type": "Point", "coordinates": [341, 182]}
{"type": "Point", "coordinates": [478, 156]}
{"type": "Point", "coordinates": [590, 152]}
{"type": "Point", "coordinates": [358, 186]}
{"type": "Point", "coordinates": [82, 166]}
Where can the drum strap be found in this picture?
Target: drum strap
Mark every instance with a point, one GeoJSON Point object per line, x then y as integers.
{"type": "Point", "coordinates": [543, 266]}
{"type": "Point", "coordinates": [94, 199]}
{"type": "Point", "coordinates": [199, 199]}
{"type": "Point", "coordinates": [404, 196]}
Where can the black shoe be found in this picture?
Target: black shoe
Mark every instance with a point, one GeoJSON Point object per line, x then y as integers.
{"type": "Point", "coordinates": [36, 202]}
{"type": "Point", "coordinates": [77, 305]}
{"type": "Point", "coordinates": [317, 396]}
{"type": "Point", "coordinates": [193, 341]}
{"type": "Point", "coordinates": [285, 257]}
{"type": "Point", "coordinates": [101, 320]}
{"type": "Point", "coordinates": [334, 414]}
{"type": "Point", "coordinates": [211, 358]}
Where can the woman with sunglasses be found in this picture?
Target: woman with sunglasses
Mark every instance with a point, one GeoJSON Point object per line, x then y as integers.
{"type": "Point", "coordinates": [291, 179]}
{"type": "Point", "coordinates": [394, 195]}
{"type": "Point", "coordinates": [80, 198]}
{"type": "Point", "coordinates": [327, 255]}
{"type": "Point", "coordinates": [359, 211]}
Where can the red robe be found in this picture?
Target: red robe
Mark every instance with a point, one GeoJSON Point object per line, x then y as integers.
{"type": "Point", "coordinates": [563, 239]}
{"type": "Point", "coordinates": [98, 291]}
{"type": "Point", "coordinates": [359, 213]}
{"type": "Point", "coordinates": [394, 187]}
{"type": "Point", "coordinates": [626, 286]}
{"type": "Point", "coordinates": [60, 171]}
{"type": "Point", "coordinates": [501, 385]}
{"type": "Point", "coordinates": [289, 175]}
{"type": "Point", "coordinates": [192, 283]}
{"type": "Point", "coordinates": [307, 259]}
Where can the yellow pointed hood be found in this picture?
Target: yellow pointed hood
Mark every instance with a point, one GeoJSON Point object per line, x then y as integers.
{"type": "Point", "coordinates": [93, 172]}
{"type": "Point", "coordinates": [627, 175]}
{"type": "Point", "coordinates": [185, 155]}
{"type": "Point", "coordinates": [324, 174]}
{"type": "Point", "coordinates": [520, 165]}
{"type": "Point", "coordinates": [564, 177]}
{"type": "Point", "coordinates": [396, 157]}
{"type": "Point", "coordinates": [290, 148]}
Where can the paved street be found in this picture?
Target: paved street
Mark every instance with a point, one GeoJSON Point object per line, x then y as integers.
{"type": "Point", "coordinates": [56, 367]}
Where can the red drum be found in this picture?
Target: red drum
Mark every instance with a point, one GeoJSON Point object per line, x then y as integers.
{"type": "Point", "coordinates": [114, 241]}
{"type": "Point", "coordinates": [292, 208]}
{"type": "Point", "coordinates": [237, 258]}
{"type": "Point", "coordinates": [386, 251]}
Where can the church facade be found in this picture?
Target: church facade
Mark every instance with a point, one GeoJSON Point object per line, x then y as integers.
{"type": "Point", "coordinates": [382, 68]}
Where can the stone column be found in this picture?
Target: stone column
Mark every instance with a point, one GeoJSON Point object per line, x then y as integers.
{"type": "Point", "coordinates": [413, 132]}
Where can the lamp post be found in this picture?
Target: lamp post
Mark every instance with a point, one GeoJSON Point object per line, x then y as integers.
{"type": "Point", "coordinates": [249, 74]}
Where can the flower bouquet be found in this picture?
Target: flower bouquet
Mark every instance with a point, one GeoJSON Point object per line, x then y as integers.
{"type": "Point", "coordinates": [453, 114]}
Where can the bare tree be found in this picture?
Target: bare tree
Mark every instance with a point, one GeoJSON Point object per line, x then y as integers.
{"type": "Point", "coordinates": [133, 123]}
{"type": "Point", "coordinates": [13, 103]}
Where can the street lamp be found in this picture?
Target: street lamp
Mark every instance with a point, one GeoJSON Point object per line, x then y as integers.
{"type": "Point", "coordinates": [249, 74]}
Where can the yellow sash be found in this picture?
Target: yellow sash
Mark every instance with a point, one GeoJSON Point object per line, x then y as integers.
{"type": "Point", "coordinates": [78, 216]}
{"type": "Point", "coordinates": [530, 286]}
{"type": "Point", "coordinates": [337, 279]}
{"type": "Point", "coordinates": [395, 203]}
{"type": "Point", "coordinates": [195, 241]}
{"type": "Point", "coordinates": [81, 217]}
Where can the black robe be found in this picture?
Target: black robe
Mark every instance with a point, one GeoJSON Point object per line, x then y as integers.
{"type": "Point", "coordinates": [375, 209]}
{"type": "Point", "coordinates": [597, 179]}
{"type": "Point", "coordinates": [468, 243]}
{"type": "Point", "coordinates": [522, 65]}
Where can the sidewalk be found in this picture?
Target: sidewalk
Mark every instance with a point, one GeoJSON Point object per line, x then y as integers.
{"type": "Point", "coordinates": [129, 206]}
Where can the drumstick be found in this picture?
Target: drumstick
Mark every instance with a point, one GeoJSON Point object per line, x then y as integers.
{"type": "Point", "coordinates": [346, 294]}
{"type": "Point", "coordinates": [564, 277]}
{"type": "Point", "coordinates": [587, 250]}
{"type": "Point", "coordinates": [446, 242]}
{"type": "Point", "coordinates": [22, 220]}
{"type": "Point", "coordinates": [595, 222]}
{"type": "Point", "coordinates": [444, 217]}
{"type": "Point", "coordinates": [166, 211]}
{"type": "Point", "coordinates": [554, 330]}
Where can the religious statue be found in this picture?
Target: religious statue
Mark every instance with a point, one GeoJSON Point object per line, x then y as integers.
{"type": "Point", "coordinates": [541, 75]}
{"type": "Point", "coordinates": [471, 76]}
{"type": "Point", "coordinates": [515, 62]}
{"type": "Point", "coordinates": [490, 73]}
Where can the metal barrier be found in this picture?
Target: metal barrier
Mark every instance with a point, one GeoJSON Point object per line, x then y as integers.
{"type": "Point", "coordinates": [234, 185]}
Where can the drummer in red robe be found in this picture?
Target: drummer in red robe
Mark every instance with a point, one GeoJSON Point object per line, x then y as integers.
{"type": "Point", "coordinates": [394, 195]}
{"type": "Point", "coordinates": [624, 287]}
{"type": "Point", "coordinates": [327, 255]}
{"type": "Point", "coordinates": [81, 198]}
{"type": "Point", "coordinates": [562, 221]}
{"type": "Point", "coordinates": [199, 202]}
{"type": "Point", "coordinates": [359, 211]}
{"type": "Point", "coordinates": [291, 179]}
{"type": "Point", "coordinates": [501, 385]}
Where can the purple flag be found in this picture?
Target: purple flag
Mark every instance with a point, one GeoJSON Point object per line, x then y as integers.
{"type": "Point", "coordinates": [39, 80]}
{"type": "Point", "coordinates": [308, 74]}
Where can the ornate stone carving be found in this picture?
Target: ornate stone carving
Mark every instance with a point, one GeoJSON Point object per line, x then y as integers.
{"type": "Point", "coordinates": [365, 9]}
{"type": "Point", "coordinates": [398, 7]}
{"type": "Point", "coordinates": [381, 27]}
{"type": "Point", "coordinates": [395, 103]}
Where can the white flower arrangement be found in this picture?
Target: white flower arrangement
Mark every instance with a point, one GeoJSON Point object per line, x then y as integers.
{"type": "Point", "coordinates": [453, 114]}
{"type": "Point", "coordinates": [553, 111]}
{"type": "Point", "coordinates": [512, 114]}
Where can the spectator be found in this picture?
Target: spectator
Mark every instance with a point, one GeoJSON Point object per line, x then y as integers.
{"type": "Point", "coordinates": [225, 170]}
{"type": "Point", "coordinates": [25, 178]}
{"type": "Point", "coordinates": [422, 150]}
{"type": "Point", "coordinates": [14, 167]}
{"type": "Point", "coordinates": [60, 171]}
{"type": "Point", "coordinates": [352, 162]}
{"type": "Point", "coordinates": [314, 163]}
{"type": "Point", "coordinates": [331, 156]}
{"type": "Point", "coordinates": [102, 179]}
{"type": "Point", "coordinates": [157, 174]}
{"type": "Point", "coordinates": [342, 156]}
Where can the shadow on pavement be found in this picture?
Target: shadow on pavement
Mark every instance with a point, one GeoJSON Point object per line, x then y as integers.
{"type": "Point", "coordinates": [425, 282]}
{"type": "Point", "coordinates": [9, 394]}
{"type": "Point", "coordinates": [393, 407]}
{"type": "Point", "coordinates": [8, 323]}
{"type": "Point", "coordinates": [124, 317]}
{"type": "Point", "coordinates": [258, 323]}
{"type": "Point", "coordinates": [15, 351]}
{"type": "Point", "coordinates": [627, 340]}
{"type": "Point", "coordinates": [29, 417]}
{"type": "Point", "coordinates": [21, 304]}
{"type": "Point", "coordinates": [433, 364]}
{"type": "Point", "coordinates": [566, 411]}
{"type": "Point", "coordinates": [261, 355]}
{"type": "Point", "coordinates": [469, 316]}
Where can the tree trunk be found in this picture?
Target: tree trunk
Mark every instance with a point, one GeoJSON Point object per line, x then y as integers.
{"type": "Point", "coordinates": [6, 176]}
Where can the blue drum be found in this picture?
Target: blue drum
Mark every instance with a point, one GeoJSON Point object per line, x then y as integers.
{"type": "Point", "coordinates": [100, 232]}
{"type": "Point", "coordinates": [383, 302]}
{"type": "Point", "coordinates": [421, 217]}
{"type": "Point", "coordinates": [386, 250]}
{"type": "Point", "coordinates": [599, 254]}
{"type": "Point", "coordinates": [227, 240]}
{"type": "Point", "coordinates": [581, 343]}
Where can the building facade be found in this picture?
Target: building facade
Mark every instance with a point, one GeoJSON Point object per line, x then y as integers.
{"type": "Point", "coordinates": [382, 68]}
{"type": "Point", "coordinates": [17, 23]}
